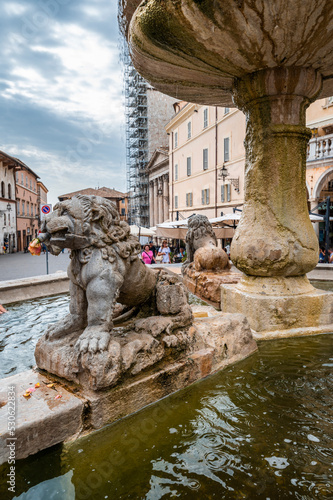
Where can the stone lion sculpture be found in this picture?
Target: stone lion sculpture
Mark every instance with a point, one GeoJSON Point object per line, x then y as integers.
{"type": "Point", "coordinates": [201, 246]}
{"type": "Point", "coordinates": [105, 271]}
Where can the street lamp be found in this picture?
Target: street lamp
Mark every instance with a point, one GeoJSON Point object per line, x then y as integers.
{"type": "Point", "coordinates": [8, 207]}
{"type": "Point", "coordinates": [224, 174]}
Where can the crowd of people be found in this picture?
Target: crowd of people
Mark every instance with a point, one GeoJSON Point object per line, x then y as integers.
{"type": "Point", "coordinates": [322, 255]}
{"type": "Point", "coordinates": [164, 254]}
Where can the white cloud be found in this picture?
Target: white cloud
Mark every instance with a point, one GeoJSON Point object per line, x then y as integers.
{"type": "Point", "coordinates": [89, 84]}
{"type": "Point", "coordinates": [70, 73]}
{"type": "Point", "coordinates": [14, 8]}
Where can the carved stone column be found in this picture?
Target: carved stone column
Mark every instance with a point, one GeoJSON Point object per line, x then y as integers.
{"type": "Point", "coordinates": [166, 196]}
{"type": "Point", "coordinates": [151, 203]}
{"type": "Point", "coordinates": [275, 236]}
{"type": "Point", "coordinates": [155, 202]}
{"type": "Point", "coordinates": [160, 201]}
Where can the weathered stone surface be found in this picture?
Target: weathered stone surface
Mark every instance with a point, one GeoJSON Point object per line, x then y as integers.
{"type": "Point", "coordinates": [280, 307]}
{"type": "Point", "coordinates": [31, 288]}
{"type": "Point", "coordinates": [40, 421]}
{"type": "Point", "coordinates": [275, 236]}
{"type": "Point", "coordinates": [104, 269]}
{"type": "Point", "coordinates": [214, 341]}
{"type": "Point", "coordinates": [218, 340]}
{"type": "Point", "coordinates": [193, 50]}
{"type": "Point", "coordinates": [201, 247]}
{"type": "Point", "coordinates": [207, 266]}
{"type": "Point", "coordinates": [207, 285]}
{"type": "Point", "coordinates": [129, 353]}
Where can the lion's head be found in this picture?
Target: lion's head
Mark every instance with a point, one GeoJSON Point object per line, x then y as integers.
{"type": "Point", "coordinates": [85, 221]}
{"type": "Point", "coordinates": [200, 232]}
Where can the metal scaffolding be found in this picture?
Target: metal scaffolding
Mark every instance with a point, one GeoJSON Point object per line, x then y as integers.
{"type": "Point", "coordinates": [136, 110]}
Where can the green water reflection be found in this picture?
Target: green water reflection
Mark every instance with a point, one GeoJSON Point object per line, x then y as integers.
{"type": "Point", "coordinates": [260, 429]}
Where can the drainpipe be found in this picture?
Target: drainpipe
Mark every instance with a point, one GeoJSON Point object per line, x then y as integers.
{"type": "Point", "coordinates": [216, 151]}
{"type": "Point", "coordinates": [172, 168]}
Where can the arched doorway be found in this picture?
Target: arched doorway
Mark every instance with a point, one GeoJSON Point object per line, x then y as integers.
{"type": "Point", "coordinates": [323, 190]}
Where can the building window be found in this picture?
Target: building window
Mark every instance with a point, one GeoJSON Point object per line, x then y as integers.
{"type": "Point", "coordinates": [32, 210]}
{"type": "Point", "coordinates": [123, 212]}
{"type": "Point", "coordinates": [205, 197]}
{"type": "Point", "coordinates": [225, 192]}
{"type": "Point", "coordinates": [189, 199]}
{"type": "Point", "coordinates": [205, 118]}
{"type": "Point", "coordinates": [3, 190]}
{"type": "Point", "coordinates": [17, 177]}
{"type": "Point", "coordinates": [23, 208]}
{"type": "Point", "coordinates": [205, 159]}
{"type": "Point", "coordinates": [176, 172]}
{"type": "Point", "coordinates": [226, 149]}
{"type": "Point", "coordinates": [31, 184]}
{"type": "Point", "coordinates": [176, 201]}
{"type": "Point", "coordinates": [4, 219]}
{"type": "Point", "coordinates": [176, 139]}
{"type": "Point", "coordinates": [22, 178]}
{"type": "Point", "coordinates": [122, 202]}
{"type": "Point", "coordinates": [9, 191]}
{"type": "Point", "coordinates": [226, 111]}
{"type": "Point", "coordinates": [189, 130]}
{"type": "Point", "coordinates": [18, 208]}
{"type": "Point", "coordinates": [26, 181]}
{"type": "Point", "coordinates": [189, 165]}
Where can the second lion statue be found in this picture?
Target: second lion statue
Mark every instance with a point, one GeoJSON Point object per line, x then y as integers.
{"type": "Point", "coordinates": [105, 270]}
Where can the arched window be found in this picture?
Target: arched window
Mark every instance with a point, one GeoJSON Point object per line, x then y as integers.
{"type": "Point", "coordinates": [4, 219]}
{"type": "Point", "coordinates": [2, 189]}
{"type": "Point", "coordinates": [9, 191]}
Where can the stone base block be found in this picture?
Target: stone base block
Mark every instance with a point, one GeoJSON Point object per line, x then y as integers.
{"type": "Point", "coordinates": [48, 417]}
{"type": "Point", "coordinates": [280, 307]}
{"type": "Point", "coordinates": [207, 285]}
{"type": "Point", "coordinates": [221, 340]}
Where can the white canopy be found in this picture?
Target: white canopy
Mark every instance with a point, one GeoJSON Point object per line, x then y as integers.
{"type": "Point", "coordinates": [143, 231]}
{"type": "Point", "coordinates": [177, 229]}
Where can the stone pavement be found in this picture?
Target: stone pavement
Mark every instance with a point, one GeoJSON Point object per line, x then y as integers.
{"type": "Point", "coordinates": [23, 265]}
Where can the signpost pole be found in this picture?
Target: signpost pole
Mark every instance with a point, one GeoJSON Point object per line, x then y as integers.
{"type": "Point", "coordinates": [47, 261]}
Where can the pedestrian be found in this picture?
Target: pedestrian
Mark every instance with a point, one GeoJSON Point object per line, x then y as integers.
{"type": "Point", "coordinates": [322, 255]}
{"type": "Point", "coordinates": [164, 251]}
{"type": "Point", "coordinates": [152, 248]}
{"type": "Point", "coordinates": [147, 255]}
{"type": "Point", "coordinates": [330, 253]}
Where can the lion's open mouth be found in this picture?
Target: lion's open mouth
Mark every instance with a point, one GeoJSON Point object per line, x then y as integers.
{"type": "Point", "coordinates": [59, 235]}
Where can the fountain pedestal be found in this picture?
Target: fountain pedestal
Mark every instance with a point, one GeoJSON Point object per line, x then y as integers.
{"type": "Point", "coordinates": [280, 307]}
{"type": "Point", "coordinates": [275, 244]}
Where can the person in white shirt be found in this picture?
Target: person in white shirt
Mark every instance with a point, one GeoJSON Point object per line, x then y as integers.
{"type": "Point", "coordinates": [165, 251]}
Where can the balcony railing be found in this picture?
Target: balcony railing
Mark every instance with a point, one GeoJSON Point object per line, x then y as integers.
{"type": "Point", "coordinates": [320, 148]}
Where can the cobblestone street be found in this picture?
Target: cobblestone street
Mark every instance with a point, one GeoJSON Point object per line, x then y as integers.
{"type": "Point", "coordinates": [22, 265]}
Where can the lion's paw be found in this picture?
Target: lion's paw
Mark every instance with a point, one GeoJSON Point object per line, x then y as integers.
{"type": "Point", "coordinates": [93, 340]}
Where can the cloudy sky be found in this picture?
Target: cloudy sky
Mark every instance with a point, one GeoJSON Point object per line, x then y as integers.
{"type": "Point", "coordinates": [61, 100]}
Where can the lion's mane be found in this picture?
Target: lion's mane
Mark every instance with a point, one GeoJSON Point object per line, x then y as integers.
{"type": "Point", "coordinates": [106, 230]}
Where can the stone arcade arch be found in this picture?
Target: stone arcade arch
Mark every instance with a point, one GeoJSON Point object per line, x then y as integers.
{"type": "Point", "coordinates": [323, 179]}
